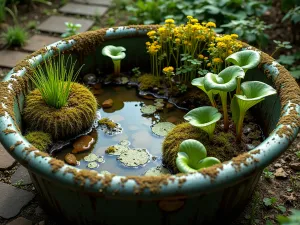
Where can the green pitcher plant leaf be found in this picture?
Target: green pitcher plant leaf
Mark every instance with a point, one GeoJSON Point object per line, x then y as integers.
{"type": "Point", "coordinates": [247, 59]}
{"type": "Point", "coordinates": [199, 83]}
{"type": "Point", "coordinates": [253, 93]}
{"type": "Point", "coordinates": [116, 53]}
{"type": "Point", "coordinates": [224, 82]}
{"type": "Point", "coordinates": [205, 118]}
{"type": "Point", "coordinates": [192, 157]}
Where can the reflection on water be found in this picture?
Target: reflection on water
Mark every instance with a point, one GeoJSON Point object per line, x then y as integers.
{"type": "Point", "coordinates": [136, 129]}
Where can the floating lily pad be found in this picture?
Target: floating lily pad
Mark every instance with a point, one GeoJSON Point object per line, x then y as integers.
{"type": "Point", "coordinates": [105, 172]}
{"type": "Point", "coordinates": [157, 171]}
{"type": "Point", "coordinates": [159, 100]}
{"type": "Point", "coordinates": [101, 160]}
{"type": "Point", "coordinates": [118, 150]}
{"type": "Point", "coordinates": [134, 157]}
{"type": "Point", "coordinates": [159, 104]}
{"type": "Point", "coordinates": [92, 165]}
{"type": "Point", "coordinates": [163, 128]}
{"type": "Point", "coordinates": [90, 158]}
{"type": "Point", "coordinates": [124, 143]}
{"type": "Point", "coordinates": [148, 109]}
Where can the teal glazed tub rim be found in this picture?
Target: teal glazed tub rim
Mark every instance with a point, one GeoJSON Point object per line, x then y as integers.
{"type": "Point", "coordinates": [149, 188]}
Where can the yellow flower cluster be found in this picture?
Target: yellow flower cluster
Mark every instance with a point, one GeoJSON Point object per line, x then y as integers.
{"type": "Point", "coordinates": [152, 48]}
{"type": "Point", "coordinates": [222, 47]}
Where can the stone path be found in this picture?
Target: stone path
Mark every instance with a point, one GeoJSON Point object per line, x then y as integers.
{"type": "Point", "coordinates": [16, 190]}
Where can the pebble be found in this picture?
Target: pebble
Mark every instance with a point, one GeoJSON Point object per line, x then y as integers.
{"type": "Point", "coordinates": [90, 78]}
{"type": "Point", "coordinates": [71, 159]}
{"type": "Point", "coordinates": [83, 143]}
{"type": "Point", "coordinates": [107, 103]}
{"type": "Point", "coordinates": [277, 165]}
{"type": "Point", "coordinates": [295, 166]}
{"type": "Point", "coordinates": [280, 173]}
{"type": "Point", "coordinates": [170, 106]}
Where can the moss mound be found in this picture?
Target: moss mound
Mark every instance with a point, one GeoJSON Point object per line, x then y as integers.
{"type": "Point", "coordinates": [223, 146]}
{"type": "Point", "coordinates": [70, 120]}
{"type": "Point", "coordinates": [148, 81]}
{"type": "Point", "coordinates": [39, 139]}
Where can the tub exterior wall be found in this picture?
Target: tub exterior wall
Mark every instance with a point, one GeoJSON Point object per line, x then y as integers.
{"type": "Point", "coordinates": [83, 208]}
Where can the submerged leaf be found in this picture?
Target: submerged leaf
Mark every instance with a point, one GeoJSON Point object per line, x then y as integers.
{"type": "Point", "coordinates": [134, 157]}
{"type": "Point", "coordinates": [162, 128]}
{"type": "Point", "coordinates": [246, 59]}
{"type": "Point", "coordinates": [148, 109]}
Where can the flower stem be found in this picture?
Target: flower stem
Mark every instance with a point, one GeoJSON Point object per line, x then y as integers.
{"type": "Point", "coordinates": [117, 67]}
{"type": "Point", "coordinates": [238, 87]}
{"type": "Point", "coordinates": [223, 95]}
{"type": "Point", "coordinates": [240, 126]}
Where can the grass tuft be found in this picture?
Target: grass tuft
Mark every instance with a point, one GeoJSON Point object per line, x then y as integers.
{"type": "Point", "coordinates": [54, 81]}
{"type": "Point", "coordinates": [15, 36]}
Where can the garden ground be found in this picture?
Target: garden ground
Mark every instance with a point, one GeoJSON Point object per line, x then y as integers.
{"type": "Point", "coordinates": [278, 190]}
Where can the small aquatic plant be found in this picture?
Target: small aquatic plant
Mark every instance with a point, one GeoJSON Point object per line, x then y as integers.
{"type": "Point", "coordinates": [247, 59]}
{"type": "Point", "coordinates": [205, 118]}
{"type": "Point", "coordinates": [224, 82]}
{"type": "Point", "coordinates": [116, 53]}
{"type": "Point", "coordinates": [253, 93]}
{"type": "Point", "coordinates": [192, 157]}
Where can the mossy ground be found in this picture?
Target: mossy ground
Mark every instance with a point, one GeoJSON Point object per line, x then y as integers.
{"type": "Point", "coordinates": [107, 122]}
{"type": "Point", "coordinates": [68, 121]}
{"type": "Point", "coordinates": [223, 146]}
{"type": "Point", "coordinates": [148, 81]}
{"type": "Point", "coordinates": [39, 139]}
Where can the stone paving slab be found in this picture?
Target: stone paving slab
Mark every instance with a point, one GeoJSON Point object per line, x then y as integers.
{"type": "Point", "coordinates": [85, 10]}
{"type": "Point", "coordinates": [95, 2]}
{"type": "Point", "coordinates": [12, 200]}
{"type": "Point", "coordinates": [10, 58]}
{"type": "Point", "coordinates": [20, 221]}
{"type": "Point", "coordinates": [56, 24]}
{"type": "Point", "coordinates": [21, 176]}
{"type": "Point", "coordinates": [6, 160]}
{"type": "Point", "coordinates": [36, 42]}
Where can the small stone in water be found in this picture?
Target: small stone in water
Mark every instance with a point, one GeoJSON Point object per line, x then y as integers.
{"type": "Point", "coordinates": [83, 143]}
{"type": "Point", "coordinates": [92, 165]}
{"type": "Point", "coordinates": [71, 159]}
{"type": "Point", "coordinates": [170, 106]}
{"type": "Point", "coordinates": [107, 103]}
{"type": "Point", "coordinates": [90, 78]}
{"type": "Point", "coordinates": [90, 158]}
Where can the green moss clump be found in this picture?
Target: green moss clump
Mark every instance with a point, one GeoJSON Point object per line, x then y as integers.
{"type": "Point", "coordinates": [110, 149]}
{"type": "Point", "coordinates": [222, 146]}
{"type": "Point", "coordinates": [107, 122]}
{"type": "Point", "coordinates": [39, 139]}
{"type": "Point", "coordinates": [68, 121]}
{"type": "Point", "coordinates": [148, 81]}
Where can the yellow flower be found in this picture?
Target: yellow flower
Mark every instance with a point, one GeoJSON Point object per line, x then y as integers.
{"type": "Point", "coordinates": [177, 41]}
{"type": "Point", "coordinates": [151, 33]}
{"type": "Point", "coordinates": [210, 24]}
{"type": "Point", "coordinates": [168, 69]}
{"type": "Point", "coordinates": [234, 36]}
{"type": "Point", "coordinates": [221, 45]}
{"type": "Point", "coordinates": [148, 43]}
{"type": "Point", "coordinates": [189, 17]}
{"type": "Point", "coordinates": [217, 60]}
{"type": "Point", "coordinates": [169, 21]}
{"type": "Point", "coordinates": [200, 56]}
{"type": "Point", "coordinates": [205, 58]}
{"type": "Point", "coordinates": [208, 64]}
{"type": "Point", "coordinates": [194, 21]}
{"type": "Point", "coordinates": [161, 30]}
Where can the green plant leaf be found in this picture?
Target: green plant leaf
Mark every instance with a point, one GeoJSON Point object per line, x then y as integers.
{"type": "Point", "coordinates": [246, 59]}
{"type": "Point", "coordinates": [204, 117]}
{"type": "Point", "coordinates": [225, 80]}
{"type": "Point", "coordinates": [199, 83]}
{"type": "Point", "coordinates": [192, 157]}
{"type": "Point", "coordinates": [114, 52]}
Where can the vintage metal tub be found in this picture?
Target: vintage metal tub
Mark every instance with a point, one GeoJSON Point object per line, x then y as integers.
{"type": "Point", "coordinates": [82, 197]}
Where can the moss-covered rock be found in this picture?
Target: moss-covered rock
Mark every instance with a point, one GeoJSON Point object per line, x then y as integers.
{"type": "Point", "coordinates": [148, 81]}
{"type": "Point", "coordinates": [39, 139]}
{"type": "Point", "coordinates": [68, 121]}
{"type": "Point", "coordinates": [223, 145]}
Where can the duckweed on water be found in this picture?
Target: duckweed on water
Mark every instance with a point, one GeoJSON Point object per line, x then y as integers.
{"type": "Point", "coordinates": [148, 109]}
{"type": "Point", "coordinates": [163, 128]}
{"type": "Point", "coordinates": [134, 157]}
